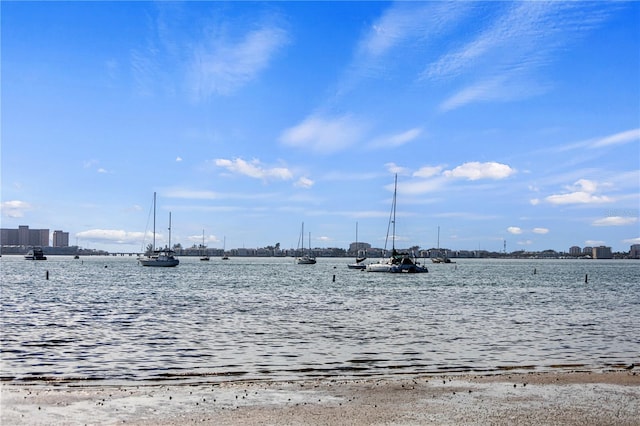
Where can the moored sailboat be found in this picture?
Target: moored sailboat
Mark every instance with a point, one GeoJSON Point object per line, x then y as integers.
{"type": "Point", "coordinates": [397, 262]}
{"type": "Point", "coordinates": [159, 257]}
{"type": "Point", "coordinates": [305, 259]}
{"type": "Point", "coordinates": [359, 263]}
{"type": "Point", "coordinates": [224, 249]}
{"type": "Point", "coordinates": [204, 256]}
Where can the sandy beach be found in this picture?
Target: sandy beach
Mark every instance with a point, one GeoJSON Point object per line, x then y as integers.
{"type": "Point", "coordinates": [569, 398]}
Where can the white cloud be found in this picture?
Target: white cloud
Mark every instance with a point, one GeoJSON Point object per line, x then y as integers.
{"type": "Point", "coordinates": [632, 240]}
{"type": "Point", "coordinates": [514, 230]}
{"type": "Point", "coordinates": [583, 192]}
{"type": "Point", "coordinates": [14, 208]}
{"type": "Point", "coordinates": [324, 135]}
{"type": "Point", "coordinates": [178, 159]}
{"type": "Point", "coordinates": [304, 182]}
{"type": "Point", "coordinates": [540, 231]}
{"type": "Point", "coordinates": [113, 236]}
{"type": "Point", "coordinates": [475, 171]}
{"type": "Point", "coordinates": [254, 169]}
{"type": "Point", "coordinates": [428, 171]}
{"type": "Point", "coordinates": [223, 66]}
{"type": "Point", "coordinates": [615, 221]}
{"type": "Point", "coordinates": [395, 169]}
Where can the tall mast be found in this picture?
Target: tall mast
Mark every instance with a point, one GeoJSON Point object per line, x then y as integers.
{"type": "Point", "coordinates": [169, 230]}
{"type": "Point", "coordinates": [393, 237]}
{"type": "Point", "coordinates": [154, 222]}
{"type": "Point", "coordinates": [357, 246]}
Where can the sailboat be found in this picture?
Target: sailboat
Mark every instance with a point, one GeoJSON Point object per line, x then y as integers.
{"type": "Point", "coordinates": [204, 249]}
{"type": "Point", "coordinates": [359, 260]}
{"type": "Point", "coordinates": [440, 258]}
{"type": "Point", "coordinates": [305, 259]}
{"type": "Point", "coordinates": [397, 262]}
{"type": "Point", "coordinates": [159, 257]}
{"type": "Point", "coordinates": [224, 247]}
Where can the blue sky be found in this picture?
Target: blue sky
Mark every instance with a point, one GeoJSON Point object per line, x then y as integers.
{"type": "Point", "coordinates": [516, 121]}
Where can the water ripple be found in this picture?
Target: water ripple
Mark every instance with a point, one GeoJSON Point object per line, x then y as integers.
{"type": "Point", "coordinates": [270, 319]}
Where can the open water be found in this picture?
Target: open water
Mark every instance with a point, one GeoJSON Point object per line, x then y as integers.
{"type": "Point", "coordinates": [108, 319]}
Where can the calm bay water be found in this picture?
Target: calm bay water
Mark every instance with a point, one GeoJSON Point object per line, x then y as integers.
{"type": "Point", "coordinates": [109, 319]}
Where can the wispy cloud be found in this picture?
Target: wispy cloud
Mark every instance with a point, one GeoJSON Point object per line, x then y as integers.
{"type": "Point", "coordinates": [632, 135]}
{"type": "Point", "coordinates": [254, 169]}
{"type": "Point", "coordinates": [325, 135]}
{"type": "Point", "coordinates": [620, 138]}
{"type": "Point", "coordinates": [220, 66]}
{"type": "Point", "coordinates": [503, 59]}
{"type": "Point", "coordinates": [396, 140]}
{"type": "Point", "coordinates": [216, 56]}
{"type": "Point", "coordinates": [14, 208]}
{"type": "Point", "coordinates": [191, 194]}
{"type": "Point", "coordinates": [402, 26]}
{"type": "Point", "coordinates": [615, 221]}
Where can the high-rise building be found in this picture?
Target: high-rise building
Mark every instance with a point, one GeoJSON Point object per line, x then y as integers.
{"type": "Point", "coordinates": [575, 251]}
{"type": "Point", "coordinates": [23, 236]}
{"type": "Point", "coordinates": [602, 252]}
{"type": "Point", "coordinates": [60, 239]}
{"type": "Point", "coordinates": [634, 251]}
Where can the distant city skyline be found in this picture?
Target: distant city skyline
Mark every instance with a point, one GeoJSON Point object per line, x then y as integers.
{"type": "Point", "coordinates": [516, 121]}
{"type": "Point", "coordinates": [9, 239]}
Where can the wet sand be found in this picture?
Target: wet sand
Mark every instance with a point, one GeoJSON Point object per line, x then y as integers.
{"type": "Point", "coordinates": [567, 398]}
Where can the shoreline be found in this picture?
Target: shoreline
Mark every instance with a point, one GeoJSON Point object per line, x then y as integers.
{"type": "Point", "coordinates": [565, 397]}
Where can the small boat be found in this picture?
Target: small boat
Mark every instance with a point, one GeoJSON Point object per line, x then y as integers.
{"type": "Point", "coordinates": [359, 264]}
{"type": "Point", "coordinates": [305, 259]}
{"type": "Point", "coordinates": [397, 262]}
{"type": "Point", "coordinates": [204, 250]}
{"type": "Point", "coordinates": [159, 257]}
{"type": "Point", "coordinates": [35, 253]}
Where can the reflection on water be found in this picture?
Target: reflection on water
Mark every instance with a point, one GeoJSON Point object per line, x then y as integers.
{"type": "Point", "coordinates": [106, 318]}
